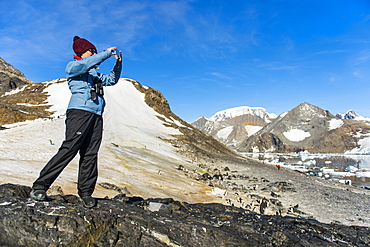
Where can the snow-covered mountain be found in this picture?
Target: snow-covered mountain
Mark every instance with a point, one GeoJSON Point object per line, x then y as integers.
{"type": "Point", "coordinates": [351, 114]}
{"type": "Point", "coordinates": [141, 149]}
{"type": "Point", "coordinates": [230, 113]}
{"type": "Point", "coordinates": [304, 128]}
{"type": "Point", "coordinates": [310, 128]}
{"type": "Point", "coordinates": [231, 126]}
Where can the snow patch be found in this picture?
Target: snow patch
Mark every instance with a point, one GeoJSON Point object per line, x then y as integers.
{"type": "Point", "coordinates": [335, 123]}
{"type": "Point", "coordinates": [283, 114]}
{"type": "Point", "coordinates": [59, 98]}
{"type": "Point", "coordinates": [30, 105]}
{"type": "Point", "coordinates": [5, 203]}
{"type": "Point", "coordinates": [252, 129]}
{"type": "Point", "coordinates": [364, 146]}
{"type": "Point", "coordinates": [175, 121]}
{"type": "Point", "coordinates": [14, 91]}
{"type": "Point", "coordinates": [217, 192]}
{"type": "Point", "coordinates": [225, 132]}
{"type": "Point", "coordinates": [296, 135]}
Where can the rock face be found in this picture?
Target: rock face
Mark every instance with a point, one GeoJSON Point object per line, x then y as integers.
{"type": "Point", "coordinates": [10, 77]}
{"type": "Point", "coordinates": [27, 104]}
{"type": "Point", "coordinates": [307, 128]}
{"type": "Point", "coordinates": [133, 221]}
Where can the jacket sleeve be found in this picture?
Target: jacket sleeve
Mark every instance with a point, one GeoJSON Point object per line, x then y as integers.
{"type": "Point", "coordinates": [79, 67]}
{"type": "Point", "coordinates": [113, 77]}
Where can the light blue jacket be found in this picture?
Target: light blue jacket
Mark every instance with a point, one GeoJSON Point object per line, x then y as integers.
{"type": "Point", "coordinates": [81, 75]}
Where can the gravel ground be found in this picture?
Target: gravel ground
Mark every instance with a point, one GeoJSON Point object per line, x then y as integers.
{"type": "Point", "coordinates": [323, 200]}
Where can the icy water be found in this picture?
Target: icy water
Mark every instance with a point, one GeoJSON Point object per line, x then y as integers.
{"type": "Point", "coordinates": [346, 168]}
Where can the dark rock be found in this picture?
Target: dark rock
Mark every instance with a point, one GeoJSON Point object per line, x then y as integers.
{"type": "Point", "coordinates": [280, 187]}
{"type": "Point", "coordinates": [273, 194]}
{"type": "Point", "coordinates": [63, 221]}
{"type": "Point", "coordinates": [10, 77]}
{"type": "Point", "coordinates": [110, 186]}
{"type": "Point", "coordinates": [15, 190]}
{"type": "Point", "coordinates": [206, 176]}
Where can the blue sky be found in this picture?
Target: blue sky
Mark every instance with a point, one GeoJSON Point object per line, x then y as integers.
{"type": "Point", "coordinates": [207, 55]}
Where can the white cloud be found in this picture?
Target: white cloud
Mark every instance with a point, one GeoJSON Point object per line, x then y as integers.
{"type": "Point", "coordinates": [220, 75]}
{"type": "Point", "coordinates": [278, 66]}
{"type": "Point", "coordinates": [363, 57]}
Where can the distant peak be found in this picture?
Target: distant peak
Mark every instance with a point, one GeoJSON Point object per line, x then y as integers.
{"type": "Point", "coordinates": [308, 110]}
{"type": "Point", "coordinates": [201, 118]}
{"type": "Point", "coordinates": [241, 110]}
{"type": "Point", "coordinates": [351, 114]}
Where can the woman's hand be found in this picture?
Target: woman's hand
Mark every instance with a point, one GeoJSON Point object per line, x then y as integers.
{"type": "Point", "coordinates": [113, 50]}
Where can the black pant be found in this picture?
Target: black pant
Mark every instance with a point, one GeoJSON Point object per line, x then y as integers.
{"type": "Point", "coordinates": [83, 134]}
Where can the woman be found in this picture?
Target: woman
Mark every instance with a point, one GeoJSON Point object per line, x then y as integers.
{"type": "Point", "coordinates": [84, 123]}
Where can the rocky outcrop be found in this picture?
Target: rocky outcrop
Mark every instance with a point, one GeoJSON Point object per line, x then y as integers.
{"type": "Point", "coordinates": [154, 99]}
{"type": "Point", "coordinates": [133, 221]}
{"type": "Point", "coordinates": [10, 77]}
{"type": "Point", "coordinates": [26, 104]}
{"type": "Point", "coordinates": [22, 105]}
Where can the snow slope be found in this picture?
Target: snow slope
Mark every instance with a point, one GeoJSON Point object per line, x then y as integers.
{"type": "Point", "coordinates": [132, 154]}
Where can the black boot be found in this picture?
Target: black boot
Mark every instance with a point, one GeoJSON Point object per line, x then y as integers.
{"type": "Point", "coordinates": [88, 201]}
{"type": "Point", "coordinates": [38, 195]}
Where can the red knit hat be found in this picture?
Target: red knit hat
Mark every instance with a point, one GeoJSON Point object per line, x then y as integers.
{"type": "Point", "coordinates": [81, 45]}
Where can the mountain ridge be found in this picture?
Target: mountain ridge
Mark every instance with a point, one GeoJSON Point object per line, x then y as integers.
{"type": "Point", "coordinates": [304, 128]}
{"type": "Point", "coordinates": [307, 128]}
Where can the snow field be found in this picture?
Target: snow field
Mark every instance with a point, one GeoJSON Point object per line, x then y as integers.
{"type": "Point", "coordinates": [132, 155]}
